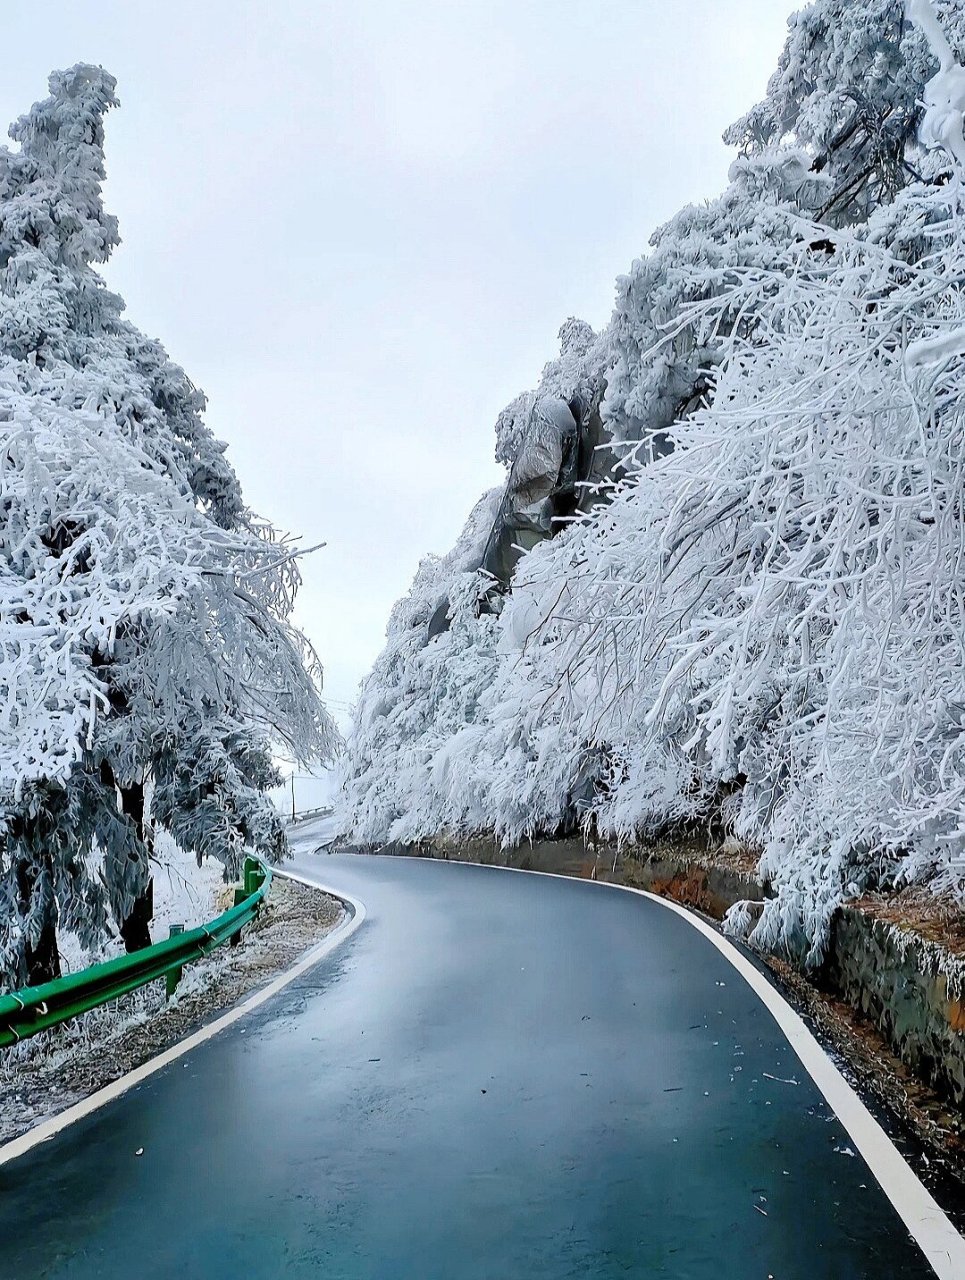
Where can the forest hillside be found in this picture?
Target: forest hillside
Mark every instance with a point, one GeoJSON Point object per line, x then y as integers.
{"type": "Point", "coordinates": [725, 579]}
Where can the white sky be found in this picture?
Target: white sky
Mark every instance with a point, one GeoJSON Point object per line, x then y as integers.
{"type": "Point", "coordinates": [358, 225]}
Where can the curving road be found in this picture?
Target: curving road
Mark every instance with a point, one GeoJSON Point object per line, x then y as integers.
{"type": "Point", "coordinates": [496, 1076]}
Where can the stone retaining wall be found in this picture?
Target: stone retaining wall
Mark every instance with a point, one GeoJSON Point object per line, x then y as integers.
{"type": "Point", "coordinates": [909, 988]}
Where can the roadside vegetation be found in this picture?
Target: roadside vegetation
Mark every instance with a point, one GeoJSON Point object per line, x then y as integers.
{"type": "Point", "coordinates": [149, 668]}
{"type": "Point", "coordinates": [753, 617]}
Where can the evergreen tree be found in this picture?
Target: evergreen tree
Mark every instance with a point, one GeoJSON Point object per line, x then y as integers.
{"type": "Point", "coordinates": [847, 89]}
{"type": "Point", "coordinates": [148, 660]}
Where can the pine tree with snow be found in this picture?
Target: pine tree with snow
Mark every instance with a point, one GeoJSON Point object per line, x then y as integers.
{"type": "Point", "coordinates": [848, 90]}
{"type": "Point", "coordinates": [148, 663]}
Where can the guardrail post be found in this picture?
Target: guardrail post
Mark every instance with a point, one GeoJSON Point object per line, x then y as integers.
{"type": "Point", "coordinates": [173, 976]}
{"type": "Point", "coordinates": [25, 1012]}
{"type": "Point", "coordinates": [254, 875]}
{"type": "Point", "coordinates": [252, 878]}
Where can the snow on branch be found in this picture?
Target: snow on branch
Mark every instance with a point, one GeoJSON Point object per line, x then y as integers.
{"type": "Point", "coordinates": [762, 626]}
{"type": "Point", "coordinates": [148, 660]}
{"type": "Point", "coordinates": [943, 124]}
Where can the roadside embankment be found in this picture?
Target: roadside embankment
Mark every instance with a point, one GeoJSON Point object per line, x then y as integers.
{"type": "Point", "coordinates": [48, 1073]}
{"type": "Point", "coordinates": [890, 995]}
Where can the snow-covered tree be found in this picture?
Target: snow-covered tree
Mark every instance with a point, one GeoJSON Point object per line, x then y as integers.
{"type": "Point", "coordinates": [425, 685]}
{"type": "Point", "coordinates": [847, 89]}
{"type": "Point", "coordinates": [147, 660]}
{"type": "Point", "coordinates": [761, 623]}
{"type": "Point", "coordinates": [662, 370]}
{"type": "Point", "coordinates": [55, 306]}
{"type": "Point", "coordinates": [771, 614]}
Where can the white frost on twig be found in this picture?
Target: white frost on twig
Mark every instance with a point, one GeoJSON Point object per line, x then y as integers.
{"type": "Point", "coordinates": [930, 350]}
{"type": "Point", "coordinates": [943, 124]}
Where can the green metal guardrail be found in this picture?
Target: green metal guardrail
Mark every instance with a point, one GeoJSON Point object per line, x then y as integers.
{"type": "Point", "coordinates": [23, 1013]}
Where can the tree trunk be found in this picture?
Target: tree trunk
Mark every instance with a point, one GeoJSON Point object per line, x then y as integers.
{"type": "Point", "coordinates": [136, 929]}
{"type": "Point", "coordinates": [41, 959]}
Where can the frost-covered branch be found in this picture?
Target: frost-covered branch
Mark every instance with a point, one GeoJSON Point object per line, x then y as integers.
{"type": "Point", "coordinates": [148, 662]}
{"type": "Point", "coordinates": [944, 94]}
{"type": "Point", "coordinates": [760, 624]}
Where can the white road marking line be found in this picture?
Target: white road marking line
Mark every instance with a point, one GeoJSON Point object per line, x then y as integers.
{"type": "Point", "coordinates": [931, 1229]}
{"type": "Point", "coordinates": [926, 1221]}
{"type": "Point", "coordinates": [48, 1128]}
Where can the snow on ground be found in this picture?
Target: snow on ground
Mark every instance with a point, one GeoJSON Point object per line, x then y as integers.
{"type": "Point", "coordinates": [184, 893]}
{"type": "Point", "coordinates": [42, 1075]}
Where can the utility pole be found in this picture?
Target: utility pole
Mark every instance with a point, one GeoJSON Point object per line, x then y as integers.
{"type": "Point", "coordinates": [293, 795]}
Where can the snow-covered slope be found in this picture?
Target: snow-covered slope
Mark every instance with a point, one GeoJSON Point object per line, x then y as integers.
{"type": "Point", "coordinates": [758, 620]}
{"type": "Point", "coordinates": [183, 893]}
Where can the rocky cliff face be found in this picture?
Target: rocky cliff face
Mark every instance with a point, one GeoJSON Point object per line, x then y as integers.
{"type": "Point", "coordinates": [559, 461]}
{"type": "Point", "coordinates": [563, 461]}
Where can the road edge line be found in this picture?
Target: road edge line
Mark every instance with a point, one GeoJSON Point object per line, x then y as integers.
{"type": "Point", "coordinates": [48, 1129]}
{"type": "Point", "coordinates": [932, 1230]}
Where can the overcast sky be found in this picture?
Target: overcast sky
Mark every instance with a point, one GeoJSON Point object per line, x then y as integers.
{"type": "Point", "coordinates": [358, 225]}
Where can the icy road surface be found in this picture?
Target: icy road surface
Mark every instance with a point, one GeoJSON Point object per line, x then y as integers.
{"type": "Point", "coordinates": [497, 1076]}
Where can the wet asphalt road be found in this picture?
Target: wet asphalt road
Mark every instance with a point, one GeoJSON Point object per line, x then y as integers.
{"type": "Point", "coordinates": [496, 1076]}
